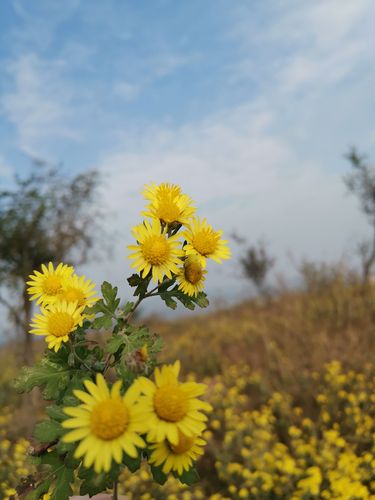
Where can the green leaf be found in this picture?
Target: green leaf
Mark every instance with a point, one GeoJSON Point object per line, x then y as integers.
{"type": "Point", "coordinates": [56, 413]}
{"type": "Point", "coordinates": [39, 491]}
{"type": "Point", "coordinates": [169, 302]}
{"type": "Point", "coordinates": [158, 474]}
{"type": "Point", "coordinates": [70, 461]}
{"type": "Point", "coordinates": [102, 322]}
{"type": "Point", "coordinates": [189, 477]}
{"type": "Point", "coordinates": [109, 292]}
{"type": "Point", "coordinates": [62, 447]}
{"type": "Point", "coordinates": [141, 284]}
{"type": "Point", "coordinates": [47, 431]}
{"type": "Point", "coordinates": [132, 464]}
{"type": "Point", "coordinates": [114, 343]}
{"type": "Point", "coordinates": [62, 489]}
{"type": "Point", "coordinates": [93, 482]}
{"type": "Point", "coordinates": [134, 280]}
{"type": "Point", "coordinates": [51, 375]}
{"type": "Point", "coordinates": [128, 307]}
{"type": "Point", "coordinates": [201, 300]}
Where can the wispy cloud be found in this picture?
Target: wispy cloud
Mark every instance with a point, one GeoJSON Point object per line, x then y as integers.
{"type": "Point", "coordinates": [39, 103]}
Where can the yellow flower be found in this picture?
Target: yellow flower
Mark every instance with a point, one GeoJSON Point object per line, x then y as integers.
{"type": "Point", "coordinates": [204, 242]}
{"type": "Point", "coordinates": [46, 286]}
{"type": "Point", "coordinates": [168, 204]}
{"type": "Point", "coordinates": [106, 424]}
{"type": "Point", "coordinates": [191, 277]}
{"type": "Point", "coordinates": [173, 405]}
{"type": "Point", "coordinates": [155, 252]}
{"type": "Point", "coordinates": [177, 457]}
{"type": "Point", "coordinates": [79, 290]}
{"type": "Point", "coordinates": [57, 322]}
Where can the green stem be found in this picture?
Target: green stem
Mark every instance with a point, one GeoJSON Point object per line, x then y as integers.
{"type": "Point", "coordinates": [79, 357]}
{"type": "Point", "coordinates": [115, 490]}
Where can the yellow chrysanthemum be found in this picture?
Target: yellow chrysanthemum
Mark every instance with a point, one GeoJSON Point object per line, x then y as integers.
{"type": "Point", "coordinates": [80, 290]}
{"type": "Point", "coordinates": [153, 191]}
{"type": "Point", "coordinates": [57, 322]}
{"type": "Point", "coordinates": [177, 457]}
{"type": "Point", "coordinates": [205, 242]}
{"type": "Point", "coordinates": [46, 286]}
{"type": "Point", "coordinates": [168, 204]}
{"type": "Point", "coordinates": [174, 406]}
{"type": "Point", "coordinates": [155, 251]}
{"type": "Point", "coordinates": [106, 424]}
{"type": "Point", "coordinates": [191, 276]}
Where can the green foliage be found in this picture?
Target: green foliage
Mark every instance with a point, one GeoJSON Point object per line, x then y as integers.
{"type": "Point", "coordinates": [189, 477]}
{"type": "Point", "coordinates": [170, 297]}
{"type": "Point", "coordinates": [53, 377]}
{"type": "Point", "coordinates": [47, 431]}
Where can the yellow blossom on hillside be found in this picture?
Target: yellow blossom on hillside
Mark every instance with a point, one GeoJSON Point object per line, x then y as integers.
{"type": "Point", "coordinates": [191, 276]}
{"type": "Point", "coordinates": [106, 424]}
{"type": "Point", "coordinates": [177, 457]}
{"type": "Point", "coordinates": [155, 252]}
{"type": "Point", "coordinates": [204, 242]}
{"type": "Point", "coordinates": [168, 204]}
{"type": "Point", "coordinates": [57, 322]}
{"type": "Point", "coordinates": [80, 290]}
{"type": "Point", "coordinates": [174, 406]}
{"type": "Point", "coordinates": [46, 287]}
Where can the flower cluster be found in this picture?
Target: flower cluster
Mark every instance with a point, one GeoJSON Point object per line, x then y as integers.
{"type": "Point", "coordinates": [63, 296]}
{"type": "Point", "coordinates": [113, 407]}
{"type": "Point", "coordinates": [275, 451]}
{"type": "Point", "coordinates": [165, 416]}
{"type": "Point", "coordinates": [13, 459]}
{"type": "Point", "coordinates": [163, 253]}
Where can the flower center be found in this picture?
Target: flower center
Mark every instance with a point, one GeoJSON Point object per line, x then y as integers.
{"type": "Point", "coordinates": [205, 241]}
{"type": "Point", "coordinates": [168, 210]}
{"type": "Point", "coordinates": [193, 272]}
{"type": "Point", "coordinates": [155, 250]}
{"type": "Point", "coordinates": [74, 295]}
{"type": "Point", "coordinates": [184, 444]}
{"type": "Point", "coordinates": [60, 324]}
{"type": "Point", "coordinates": [51, 285]}
{"type": "Point", "coordinates": [170, 403]}
{"type": "Point", "coordinates": [109, 419]}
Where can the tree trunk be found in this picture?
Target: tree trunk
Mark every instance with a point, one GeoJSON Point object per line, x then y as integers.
{"type": "Point", "coordinates": [28, 354]}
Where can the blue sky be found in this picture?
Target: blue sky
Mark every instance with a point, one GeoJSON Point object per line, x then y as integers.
{"type": "Point", "coordinates": [249, 105]}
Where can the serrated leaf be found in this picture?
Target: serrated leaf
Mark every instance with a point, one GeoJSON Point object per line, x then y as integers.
{"type": "Point", "coordinates": [189, 477]}
{"type": "Point", "coordinates": [169, 302]}
{"type": "Point", "coordinates": [109, 294]}
{"type": "Point", "coordinates": [39, 491]}
{"type": "Point", "coordinates": [102, 322]}
{"type": "Point", "coordinates": [56, 413]}
{"type": "Point", "coordinates": [48, 374]}
{"type": "Point", "coordinates": [158, 474]}
{"type": "Point", "coordinates": [134, 280]}
{"type": "Point", "coordinates": [128, 307]}
{"type": "Point", "coordinates": [114, 343]}
{"type": "Point", "coordinates": [201, 300]}
{"type": "Point", "coordinates": [47, 431]}
{"type": "Point", "coordinates": [62, 489]}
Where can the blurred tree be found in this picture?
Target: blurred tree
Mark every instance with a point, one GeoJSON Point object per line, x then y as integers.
{"type": "Point", "coordinates": [361, 183]}
{"type": "Point", "coordinates": [256, 262]}
{"type": "Point", "coordinates": [44, 217]}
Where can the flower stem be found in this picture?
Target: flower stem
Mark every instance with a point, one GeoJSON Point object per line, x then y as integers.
{"type": "Point", "coordinates": [115, 490]}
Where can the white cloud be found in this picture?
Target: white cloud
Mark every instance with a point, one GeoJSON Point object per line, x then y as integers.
{"type": "Point", "coordinates": [39, 102]}
{"type": "Point", "coordinates": [127, 91]}
{"type": "Point", "coordinates": [243, 176]}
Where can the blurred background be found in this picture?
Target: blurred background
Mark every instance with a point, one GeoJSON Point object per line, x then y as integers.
{"type": "Point", "coordinates": [264, 113]}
